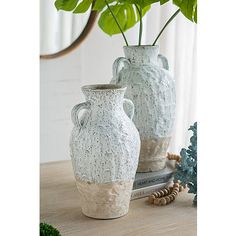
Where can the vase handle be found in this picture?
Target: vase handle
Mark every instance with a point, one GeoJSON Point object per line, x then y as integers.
{"type": "Point", "coordinates": [118, 64]}
{"type": "Point", "coordinates": [164, 61]}
{"type": "Point", "coordinates": [130, 108]}
{"type": "Point", "coordinates": [75, 111]}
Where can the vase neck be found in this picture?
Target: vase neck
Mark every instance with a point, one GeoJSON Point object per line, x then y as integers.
{"type": "Point", "coordinates": [141, 54]}
{"type": "Point", "coordinates": [105, 97]}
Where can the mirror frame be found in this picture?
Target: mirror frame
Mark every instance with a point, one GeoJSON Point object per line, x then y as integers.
{"type": "Point", "coordinates": [87, 29]}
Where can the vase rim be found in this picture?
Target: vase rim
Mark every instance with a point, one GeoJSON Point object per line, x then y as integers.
{"type": "Point", "coordinates": [103, 87]}
{"type": "Point", "coordinates": [141, 46]}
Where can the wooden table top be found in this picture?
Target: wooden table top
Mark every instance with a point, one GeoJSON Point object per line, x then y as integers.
{"type": "Point", "coordinates": [59, 207]}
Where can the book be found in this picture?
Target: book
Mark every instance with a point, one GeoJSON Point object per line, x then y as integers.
{"type": "Point", "coordinates": [153, 178]}
{"type": "Point", "coordinates": [146, 191]}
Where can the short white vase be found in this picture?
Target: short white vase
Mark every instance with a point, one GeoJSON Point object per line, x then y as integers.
{"type": "Point", "coordinates": [104, 148]}
{"type": "Point", "coordinates": [152, 89]}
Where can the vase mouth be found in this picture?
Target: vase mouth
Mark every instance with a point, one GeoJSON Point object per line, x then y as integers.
{"type": "Point", "coordinates": [103, 87]}
{"type": "Point", "coordinates": [141, 46]}
{"type": "Point", "coordinates": [143, 54]}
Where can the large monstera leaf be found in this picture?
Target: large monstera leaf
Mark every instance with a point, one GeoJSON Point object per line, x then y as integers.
{"type": "Point", "coordinates": [83, 6]}
{"type": "Point", "coordinates": [188, 8]}
{"type": "Point", "coordinates": [72, 5]}
{"type": "Point", "coordinates": [99, 5]}
{"type": "Point", "coordinates": [66, 5]}
{"type": "Point", "coordinates": [126, 14]}
{"type": "Point", "coordinates": [125, 11]}
{"type": "Point", "coordinates": [144, 3]}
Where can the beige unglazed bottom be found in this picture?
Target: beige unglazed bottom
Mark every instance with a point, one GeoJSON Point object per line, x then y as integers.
{"type": "Point", "coordinates": [153, 154]}
{"type": "Point", "coordinates": [105, 201]}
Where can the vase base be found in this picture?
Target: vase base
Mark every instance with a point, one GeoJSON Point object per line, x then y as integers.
{"type": "Point", "coordinates": [153, 154]}
{"type": "Point", "coordinates": [105, 201]}
{"type": "Point", "coordinates": [102, 216]}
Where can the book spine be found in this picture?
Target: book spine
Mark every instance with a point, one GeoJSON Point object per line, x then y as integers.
{"type": "Point", "coordinates": [141, 183]}
{"type": "Point", "coordinates": [144, 192]}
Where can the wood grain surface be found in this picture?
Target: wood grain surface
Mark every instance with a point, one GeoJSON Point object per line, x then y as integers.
{"type": "Point", "coordinates": [59, 206]}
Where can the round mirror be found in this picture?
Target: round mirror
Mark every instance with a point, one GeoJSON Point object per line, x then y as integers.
{"type": "Point", "coordinates": [60, 31]}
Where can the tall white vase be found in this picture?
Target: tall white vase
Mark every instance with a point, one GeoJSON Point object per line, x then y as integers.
{"type": "Point", "coordinates": [105, 147]}
{"type": "Point", "coordinates": [152, 90]}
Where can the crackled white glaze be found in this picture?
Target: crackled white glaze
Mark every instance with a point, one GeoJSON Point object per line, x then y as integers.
{"type": "Point", "coordinates": [105, 143]}
{"type": "Point", "coordinates": [152, 90]}
{"type": "Point", "coordinates": [104, 149]}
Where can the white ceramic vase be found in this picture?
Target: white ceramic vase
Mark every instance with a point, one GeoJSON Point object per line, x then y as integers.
{"type": "Point", "coordinates": [104, 147]}
{"type": "Point", "coordinates": [152, 89]}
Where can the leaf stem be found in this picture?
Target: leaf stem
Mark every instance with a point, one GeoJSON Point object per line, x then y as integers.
{"type": "Point", "coordinates": [167, 23]}
{"type": "Point", "coordinates": [126, 42]}
{"type": "Point", "coordinates": [140, 11]}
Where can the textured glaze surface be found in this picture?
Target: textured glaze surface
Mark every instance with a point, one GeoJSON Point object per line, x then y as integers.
{"type": "Point", "coordinates": [152, 90]}
{"type": "Point", "coordinates": [105, 143]}
{"type": "Point", "coordinates": [105, 201]}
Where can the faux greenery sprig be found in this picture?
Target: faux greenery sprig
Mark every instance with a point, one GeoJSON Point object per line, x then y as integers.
{"type": "Point", "coordinates": [48, 230]}
{"type": "Point", "coordinates": [117, 16]}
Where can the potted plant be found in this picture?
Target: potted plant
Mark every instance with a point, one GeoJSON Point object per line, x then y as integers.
{"type": "Point", "coordinates": [143, 71]}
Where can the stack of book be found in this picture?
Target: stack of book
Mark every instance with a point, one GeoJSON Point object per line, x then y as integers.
{"type": "Point", "coordinates": [147, 183]}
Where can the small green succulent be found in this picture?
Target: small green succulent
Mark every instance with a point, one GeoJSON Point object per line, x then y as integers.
{"type": "Point", "coordinates": [48, 230]}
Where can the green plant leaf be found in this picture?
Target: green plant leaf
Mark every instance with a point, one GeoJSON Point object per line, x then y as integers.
{"type": "Point", "coordinates": [143, 3]}
{"type": "Point", "coordinates": [46, 230]}
{"type": "Point", "coordinates": [144, 11]}
{"type": "Point", "coordinates": [66, 5]}
{"type": "Point", "coordinates": [100, 4]}
{"type": "Point", "coordinates": [195, 15]}
{"type": "Point", "coordinates": [163, 1]}
{"type": "Point", "coordinates": [125, 14]}
{"type": "Point", "coordinates": [131, 16]}
{"type": "Point", "coordinates": [83, 6]}
{"type": "Point", "coordinates": [188, 8]}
